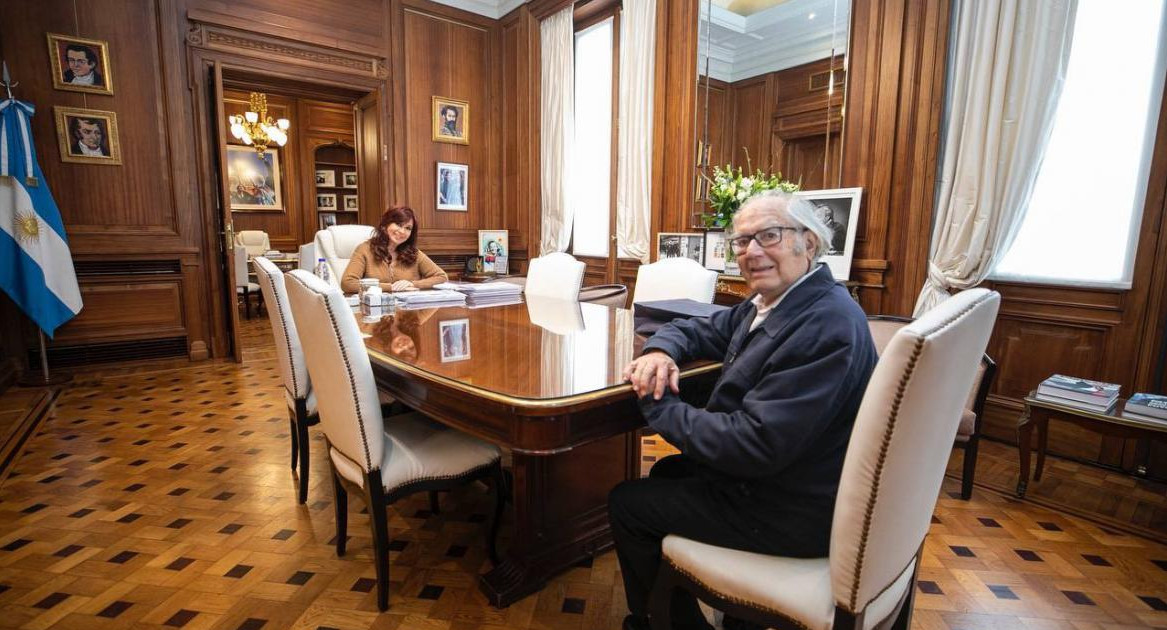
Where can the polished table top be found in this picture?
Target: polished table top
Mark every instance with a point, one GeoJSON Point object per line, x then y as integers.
{"type": "Point", "coordinates": [541, 353]}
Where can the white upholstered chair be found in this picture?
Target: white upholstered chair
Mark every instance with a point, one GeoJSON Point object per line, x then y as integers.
{"type": "Point", "coordinates": [379, 460]}
{"type": "Point", "coordinates": [255, 242]}
{"type": "Point", "coordinates": [891, 477]}
{"type": "Point", "coordinates": [290, 356]}
{"type": "Point", "coordinates": [243, 285]}
{"type": "Point", "coordinates": [308, 256]}
{"type": "Point", "coordinates": [556, 275]}
{"type": "Point", "coordinates": [968, 433]}
{"type": "Point", "coordinates": [674, 279]}
{"type": "Point", "coordinates": [336, 244]}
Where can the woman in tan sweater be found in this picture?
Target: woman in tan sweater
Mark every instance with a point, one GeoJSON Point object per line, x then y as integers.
{"type": "Point", "coordinates": [392, 257]}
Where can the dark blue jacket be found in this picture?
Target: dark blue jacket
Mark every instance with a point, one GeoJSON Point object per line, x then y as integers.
{"type": "Point", "coordinates": [779, 418]}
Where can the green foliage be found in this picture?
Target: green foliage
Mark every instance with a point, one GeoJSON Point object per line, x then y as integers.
{"type": "Point", "coordinates": [729, 188]}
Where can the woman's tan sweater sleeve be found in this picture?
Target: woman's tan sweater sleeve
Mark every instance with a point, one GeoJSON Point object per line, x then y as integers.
{"type": "Point", "coordinates": [429, 273]}
{"type": "Point", "coordinates": [350, 281]}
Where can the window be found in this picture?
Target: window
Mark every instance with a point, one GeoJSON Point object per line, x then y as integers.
{"type": "Point", "coordinates": [1082, 224]}
{"type": "Point", "coordinates": [592, 162]}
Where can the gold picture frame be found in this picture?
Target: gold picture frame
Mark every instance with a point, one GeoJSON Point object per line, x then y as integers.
{"type": "Point", "coordinates": [455, 130]}
{"type": "Point", "coordinates": [96, 59]}
{"type": "Point", "coordinates": [76, 130]}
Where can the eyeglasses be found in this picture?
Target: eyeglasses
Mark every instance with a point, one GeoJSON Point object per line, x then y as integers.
{"type": "Point", "coordinates": [766, 237]}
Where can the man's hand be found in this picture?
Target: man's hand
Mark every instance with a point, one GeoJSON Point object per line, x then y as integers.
{"type": "Point", "coordinates": [402, 285]}
{"type": "Point", "coordinates": [651, 372]}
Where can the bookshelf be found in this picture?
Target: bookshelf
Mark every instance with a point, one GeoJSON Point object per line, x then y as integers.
{"type": "Point", "coordinates": [336, 186]}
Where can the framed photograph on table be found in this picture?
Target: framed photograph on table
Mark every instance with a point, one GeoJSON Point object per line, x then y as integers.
{"type": "Point", "coordinates": [326, 202]}
{"type": "Point", "coordinates": [326, 178]}
{"type": "Point", "coordinates": [838, 209]}
{"type": "Point", "coordinates": [715, 246]}
{"type": "Point", "coordinates": [681, 245]}
{"type": "Point", "coordinates": [494, 248]}
{"type": "Point", "coordinates": [253, 182]}
{"type": "Point", "coordinates": [455, 339]}
{"type": "Point", "coordinates": [452, 186]}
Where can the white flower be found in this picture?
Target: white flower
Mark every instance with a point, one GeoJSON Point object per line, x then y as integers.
{"type": "Point", "coordinates": [747, 183]}
{"type": "Point", "coordinates": [741, 195]}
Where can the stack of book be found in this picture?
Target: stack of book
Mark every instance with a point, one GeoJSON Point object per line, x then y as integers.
{"type": "Point", "coordinates": [429, 299]}
{"type": "Point", "coordinates": [1146, 407]}
{"type": "Point", "coordinates": [480, 294]}
{"type": "Point", "coordinates": [1078, 392]}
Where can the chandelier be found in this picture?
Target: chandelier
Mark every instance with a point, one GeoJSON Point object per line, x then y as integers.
{"type": "Point", "coordinates": [256, 128]}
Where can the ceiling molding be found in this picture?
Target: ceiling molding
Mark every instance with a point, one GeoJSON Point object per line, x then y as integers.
{"type": "Point", "coordinates": [782, 37]}
{"type": "Point", "coordinates": [493, 9]}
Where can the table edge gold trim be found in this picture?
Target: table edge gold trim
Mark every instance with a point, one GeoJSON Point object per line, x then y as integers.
{"type": "Point", "coordinates": [531, 403]}
{"type": "Point", "coordinates": [1129, 422]}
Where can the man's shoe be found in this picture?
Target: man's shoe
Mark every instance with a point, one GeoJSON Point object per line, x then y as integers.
{"type": "Point", "coordinates": [633, 622]}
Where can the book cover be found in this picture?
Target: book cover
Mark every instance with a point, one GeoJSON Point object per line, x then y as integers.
{"type": "Point", "coordinates": [1130, 415]}
{"type": "Point", "coordinates": [1102, 406]}
{"type": "Point", "coordinates": [1094, 392]}
{"type": "Point", "coordinates": [1148, 404]}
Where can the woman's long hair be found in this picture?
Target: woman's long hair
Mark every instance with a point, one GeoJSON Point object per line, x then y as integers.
{"type": "Point", "coordinates": [380, 244]}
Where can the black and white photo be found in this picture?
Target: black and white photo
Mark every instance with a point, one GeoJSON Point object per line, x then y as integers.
{"type": "Point", "coordinates": [838, 209]}
{"type": "Point", "coordinates": [681, 245]}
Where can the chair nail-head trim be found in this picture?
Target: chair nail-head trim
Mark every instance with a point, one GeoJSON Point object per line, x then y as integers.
{"type": "Point", "coordinates": [266, 275]}
{"type": "Point", "coordinates": [733, 599]}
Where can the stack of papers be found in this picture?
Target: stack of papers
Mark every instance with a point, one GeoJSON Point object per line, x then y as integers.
{"type": "Point", "coordinates": [480, 294]}
{"type": "Point", "coordinates": [429, 298]}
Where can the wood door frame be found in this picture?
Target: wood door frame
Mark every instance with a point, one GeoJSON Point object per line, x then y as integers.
{"type": "Point", "coordinates": [199, 59]}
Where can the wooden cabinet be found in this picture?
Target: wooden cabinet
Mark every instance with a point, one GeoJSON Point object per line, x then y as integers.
{"type": "Point", "coordinates": [336, 198]}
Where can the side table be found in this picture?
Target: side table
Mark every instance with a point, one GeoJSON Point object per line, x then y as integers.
{"type": "Point", "coordinates": [1037, 415]}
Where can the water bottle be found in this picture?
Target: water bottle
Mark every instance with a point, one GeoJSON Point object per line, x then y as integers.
{"type": "Point", "coordinates": [322, 269]}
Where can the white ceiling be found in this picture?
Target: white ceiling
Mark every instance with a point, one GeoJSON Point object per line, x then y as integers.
{"type": "Point", "coordinates": [493, 9]}
{"type": "Point", "coordinates": [782, 36]}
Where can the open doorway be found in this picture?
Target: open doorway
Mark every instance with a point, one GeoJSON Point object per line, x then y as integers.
{"type": "Point", "coordinates": [328, 172]}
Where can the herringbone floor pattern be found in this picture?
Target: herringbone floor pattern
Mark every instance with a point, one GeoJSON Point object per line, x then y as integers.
{"type": "Point", "coordinates": [163, 498]}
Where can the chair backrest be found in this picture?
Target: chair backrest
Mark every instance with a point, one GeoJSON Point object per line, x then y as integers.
{"type": "Point", "coordinates": [899, 447]}
{"type": "Point", "coordinates": [556, 275]}
{"type": "Point", "coordinates": [606, 294]}
{"type": "Point", "coordinates": [336, 244]}
{"type": "Point", "coordinates": [289, 352]}
{"type": "Point", "coordinates": [256, 242]}
{"type": "Point", "coordinates": [674, 279]}
{"type": "Point", "coordinates": [556, 315]}
{"type": "Point", "coordinates": [346, 394]}
{"type": "Point", "coordinates": [308, 257]}
{"type": "Point", "coordinates": [240, 266]}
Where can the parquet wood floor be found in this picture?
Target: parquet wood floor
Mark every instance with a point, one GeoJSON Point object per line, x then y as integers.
{"type": "Point", "coordinates": [161, 497]}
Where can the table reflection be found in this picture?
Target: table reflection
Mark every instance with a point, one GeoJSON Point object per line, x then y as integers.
{"type": "Point", "coordinates": [541, 349]}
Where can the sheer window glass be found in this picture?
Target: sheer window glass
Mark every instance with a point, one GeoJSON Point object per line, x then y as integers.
{"type": "Point", "coordinates": [1082, 223]}
{"type": "Point", "coordinates": [592, 176]}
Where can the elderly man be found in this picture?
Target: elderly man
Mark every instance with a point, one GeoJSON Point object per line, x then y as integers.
{"type": "Point", "coordinates": [760, 464]}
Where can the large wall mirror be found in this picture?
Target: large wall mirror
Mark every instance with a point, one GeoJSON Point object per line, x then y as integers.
{"type": "Point", "coordinates": [771, 77]}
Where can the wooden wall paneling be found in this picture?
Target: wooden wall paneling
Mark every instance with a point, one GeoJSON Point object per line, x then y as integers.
{"type": "Point", "coordinates": [749, 134]}
{"type": "Point", "coordinates": [344, 25]}
{"type": "Point", "coordinates": [372, 157]}
{"type": "Point", "coordinates": [521, 194]}
{"type": "Point", "coordinates": [449, 52]}
{"type": "Point", "coordinates": [282, 226]}
{"type": "Point", "coordinates": [894, 96]}
{"type": "Point", "coordinates": [674, 134]}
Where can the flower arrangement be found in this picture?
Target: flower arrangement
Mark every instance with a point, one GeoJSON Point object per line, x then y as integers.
{"type": "Point", "coordinates": [729, 188]}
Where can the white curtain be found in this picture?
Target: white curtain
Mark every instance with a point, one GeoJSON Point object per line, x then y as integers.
{"type": "Point", "coordinates": [634, 163]}
{"type": "Point", "coordinates": [1006, 75]}
{"type": "Point", "coordinates": [557, 44]}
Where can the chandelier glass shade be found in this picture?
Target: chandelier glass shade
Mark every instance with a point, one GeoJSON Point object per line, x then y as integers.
{"type": "Point", "coordinates": [255, 128]}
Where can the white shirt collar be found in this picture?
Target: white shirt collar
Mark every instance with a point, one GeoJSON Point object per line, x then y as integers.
{"type": "Point", "coordinates": [89, 152]}
{"type": "Point", "coordinates": [85, 80]}
{"type": "Point", "coordinates": [764, 309]}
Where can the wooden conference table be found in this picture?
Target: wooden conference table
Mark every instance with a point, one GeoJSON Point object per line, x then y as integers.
{"type": "Point", "coordinates": [542, 380]}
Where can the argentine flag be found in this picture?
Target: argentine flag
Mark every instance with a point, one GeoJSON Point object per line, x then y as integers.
{"type": "Point", "coordinates": [36, 269]}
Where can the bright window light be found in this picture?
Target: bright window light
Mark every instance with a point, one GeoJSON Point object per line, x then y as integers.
{"type": "Point", "coordinates": [1083, 220]}
{"type": "Point", "coordinates": [592, 163]}
{"type": "Point", "coordinates": [591, 351]}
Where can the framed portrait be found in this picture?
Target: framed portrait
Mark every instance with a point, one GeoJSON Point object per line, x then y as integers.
{"type": "Point", "coordinates": [89, 136]}
{"type": "Point", "coordinates": [455, 339]}
{"type": "Point", "coordinates": [681, 245]}
{"type": "Point", "coordinates": [349, 179]}
{"type": "Point", "coordinates": [350, 203]}
{"type": "Point", "coordinates": [326, 178]}
{"type": "Point", "coordinates": [79, 64]}
{"type": "Point", "coordinates": [452, 186]}
{"type": "Point", "coordinates": [327, 220]}
{"type": "Point", "coordinates": [326, 202]}
{"type": "Point", "coordinates": [715, 251]}
{"type": "Point", "coordinates": [838, 209]}
{"type": "Point", "coordinates": [494, 249]}
{"type": "Point", "coordinates": [451, 120]}
{"type": "Point", "coordinates": [253, 182]}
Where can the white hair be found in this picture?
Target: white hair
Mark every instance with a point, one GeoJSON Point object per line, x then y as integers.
{"type": "Point", "coordinates": [783, 204]}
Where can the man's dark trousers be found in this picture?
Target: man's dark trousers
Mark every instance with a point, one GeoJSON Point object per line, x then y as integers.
{"type": "Point", "coordinates": [682, 497]}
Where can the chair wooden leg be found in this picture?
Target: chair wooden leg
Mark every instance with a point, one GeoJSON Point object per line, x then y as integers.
{"type": "Point", "coordinates": [340, 504]}
{"type": "Point", "coordinates": [970, 467]}
{"type": "Point", "coordinates": [660, 601]}
{"type": "Point", "coordinates": [434, 506]}
{"type": "Point", "coordinates": [303, 442]}
{"type": "Point", "coordinates": [292, 430]}
{"type": "Point", "coordinates": [498, 480]}
{"type": "Point", "coordinates": [379, 522]}
{"type": "Point", "coordinates": [904, 618]}
{"type": "Point", "coordinates": [247, 302]}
